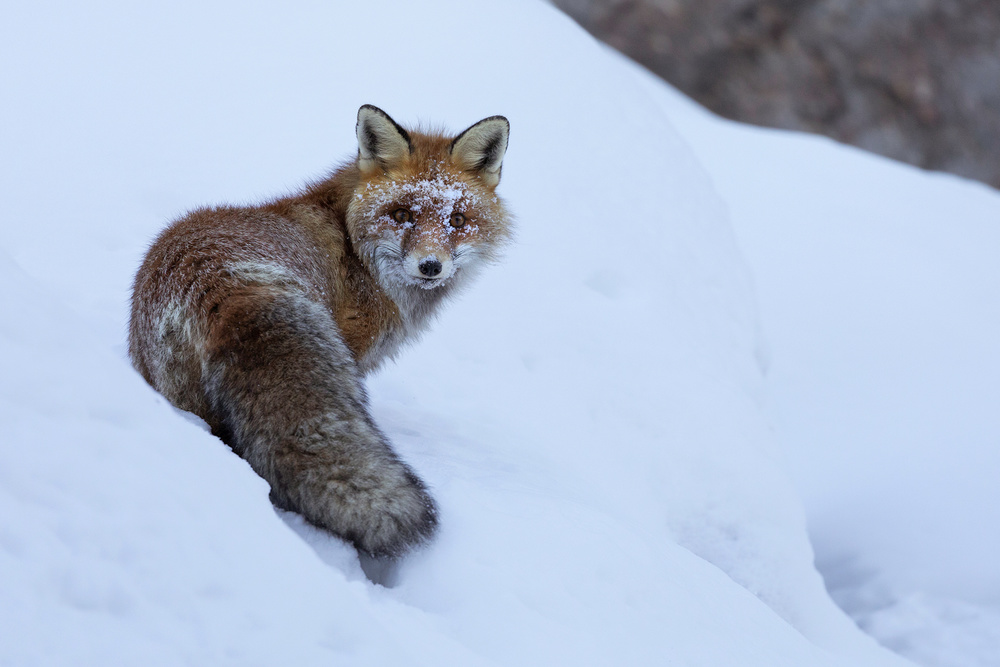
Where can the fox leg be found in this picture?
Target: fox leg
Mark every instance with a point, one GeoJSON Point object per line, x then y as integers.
{"type": "Point", "coordinates": [285, 393]}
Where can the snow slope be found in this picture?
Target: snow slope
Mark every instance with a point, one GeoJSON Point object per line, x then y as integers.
{"type": "Point", "coordinates": [880, 299]}
{"type": "Point", "coordinates": [589, 416]}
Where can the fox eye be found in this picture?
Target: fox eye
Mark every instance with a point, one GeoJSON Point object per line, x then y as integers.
{"type": "Point", "coordinates": [457, 219]}
{"type": "Point", "coordinates": [402, 215]}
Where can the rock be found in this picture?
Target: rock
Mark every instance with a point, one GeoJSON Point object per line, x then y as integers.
{"type": "Point", "coordinates": [914, 80]}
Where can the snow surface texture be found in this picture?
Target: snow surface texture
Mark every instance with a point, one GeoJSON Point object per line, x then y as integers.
{"type": "Point", "coordinates": [591, 415]}
{"type": "Point", "coordinates": [879, 289]}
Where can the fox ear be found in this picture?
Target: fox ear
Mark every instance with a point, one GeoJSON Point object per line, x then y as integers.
{"type": "Point", "coordinates": [382, 143]}
{"type": "Point", "coordinates": [481, 148]}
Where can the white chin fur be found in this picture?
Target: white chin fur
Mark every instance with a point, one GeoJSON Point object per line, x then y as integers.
{"type": "Point", "coordinates": [417, 279]}
{"type": "Point", "coordinates": [424, 283]}
{"type": "Point", "coordinates": [398, 274]}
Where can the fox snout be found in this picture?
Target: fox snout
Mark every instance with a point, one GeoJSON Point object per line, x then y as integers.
{"type": "Point", "coordinates": [431, 269]}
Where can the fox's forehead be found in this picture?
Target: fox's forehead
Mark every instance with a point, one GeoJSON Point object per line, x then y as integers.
{"type": "Point", "coordinates": [438, 192]}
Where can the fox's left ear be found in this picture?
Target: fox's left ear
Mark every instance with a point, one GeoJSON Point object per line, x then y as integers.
{"type": "Point", "coordinates": [481, 148]}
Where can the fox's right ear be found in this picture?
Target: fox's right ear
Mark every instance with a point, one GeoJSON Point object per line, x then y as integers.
{"type": "Point", "coordinates": [382, 143]}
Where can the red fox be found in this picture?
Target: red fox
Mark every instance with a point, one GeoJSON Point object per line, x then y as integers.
{"type": "Point", "coordinates": [263, 320]}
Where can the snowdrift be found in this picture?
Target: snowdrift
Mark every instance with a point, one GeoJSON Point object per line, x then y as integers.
{"type": "Point", "coordinates": [591, 415]}
{"type": "Point", "coordinates": [879, 290]}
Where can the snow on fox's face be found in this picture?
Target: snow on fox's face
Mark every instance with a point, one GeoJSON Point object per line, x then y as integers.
{"type": "Point", "coordinates": [421, 231]}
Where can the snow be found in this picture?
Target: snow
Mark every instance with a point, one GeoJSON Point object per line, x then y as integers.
{"type": "Point", "coordinates": [592, 415]}
{"type": "Point", "coordinates": [425, 193]}
{"type": "Point", "coordinates": [879, 291]}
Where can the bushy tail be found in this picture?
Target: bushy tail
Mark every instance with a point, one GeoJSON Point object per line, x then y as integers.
{"type": "Point", "coordinates": [286, 395]}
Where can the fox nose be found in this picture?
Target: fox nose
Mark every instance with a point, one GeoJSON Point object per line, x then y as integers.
{"type": "Point", "coordinates": [430, 267]}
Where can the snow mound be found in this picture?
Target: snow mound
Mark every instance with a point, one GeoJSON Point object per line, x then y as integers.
{"type": "Point", "coordinates": [589, 415]}
{"type": "Point", "coordinates": [879, 290]}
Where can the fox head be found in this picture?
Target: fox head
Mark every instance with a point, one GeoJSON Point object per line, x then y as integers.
{"type": "Point", "coordinates": [425, 212]}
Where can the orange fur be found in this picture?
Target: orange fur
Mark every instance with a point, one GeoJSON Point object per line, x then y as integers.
{"type": "Point", "coordinates": [262, 319]}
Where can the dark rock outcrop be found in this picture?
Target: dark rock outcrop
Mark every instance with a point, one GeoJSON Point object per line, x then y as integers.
{"type": "Point", "coordinates": [915, 80]}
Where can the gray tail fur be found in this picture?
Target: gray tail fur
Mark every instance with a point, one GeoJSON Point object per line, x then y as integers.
{"type": "Point", "coordinates": [286, 395]}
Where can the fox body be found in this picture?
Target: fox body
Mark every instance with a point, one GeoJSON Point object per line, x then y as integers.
{"type": "Point", "coordinates": [263, 320]}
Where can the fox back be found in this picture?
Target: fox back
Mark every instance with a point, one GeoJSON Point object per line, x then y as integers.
{"type": "Point", "coordinates": [263, 320]}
